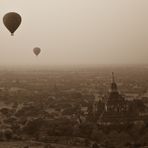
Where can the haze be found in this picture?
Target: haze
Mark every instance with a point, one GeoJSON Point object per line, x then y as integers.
{"type": "Point", "coordinates": [76, 32]}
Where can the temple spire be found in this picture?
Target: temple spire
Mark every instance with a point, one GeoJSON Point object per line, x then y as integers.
{"type": "Point", "coordinates": [114, 87]}
{"type": "Point", "coordinates": [113, 77]}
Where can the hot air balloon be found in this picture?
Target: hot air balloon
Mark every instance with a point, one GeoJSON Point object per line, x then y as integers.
{"type": "Point", "coordinates": [36, 51]}
{"type": "Point", "coordinates": [12, 21]}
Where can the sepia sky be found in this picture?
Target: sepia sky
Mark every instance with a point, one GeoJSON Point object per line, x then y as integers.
{"type": "Point", "coordinates": [76, 32]}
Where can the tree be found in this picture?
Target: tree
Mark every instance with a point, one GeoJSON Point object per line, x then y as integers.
{"type": "Point", "coordinates": [8, 134]}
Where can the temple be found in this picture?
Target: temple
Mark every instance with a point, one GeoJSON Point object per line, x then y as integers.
{"type": "Point", "coordinates": [116, 110]}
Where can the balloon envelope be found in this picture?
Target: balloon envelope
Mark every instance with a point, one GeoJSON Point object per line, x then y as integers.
{"type": "Point", "coordinates": [12, 21]}
{"type": "Point", "coordinates": [36, 51]}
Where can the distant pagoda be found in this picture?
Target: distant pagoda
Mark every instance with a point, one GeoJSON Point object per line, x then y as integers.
{"type": "Point", "coordinates": [116, 108]}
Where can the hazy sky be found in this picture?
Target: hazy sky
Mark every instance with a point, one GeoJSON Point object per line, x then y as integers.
{"type": "Point", "coordinates": [73, 32]}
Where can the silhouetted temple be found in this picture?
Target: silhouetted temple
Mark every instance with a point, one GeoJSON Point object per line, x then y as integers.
{"type": "Point", "coordinates": [117, 110]}
{"type": "Point", "coordinates": [115, 102]}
